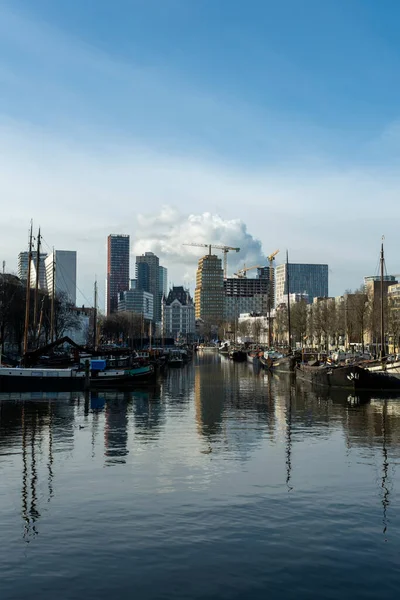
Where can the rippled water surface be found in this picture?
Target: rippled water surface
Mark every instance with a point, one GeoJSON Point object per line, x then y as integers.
{"type": "Point", "coordinates": [217, 482]}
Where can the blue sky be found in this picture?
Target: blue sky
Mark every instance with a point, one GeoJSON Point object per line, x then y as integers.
{"type": "Point", "coordinates": [281, 115]}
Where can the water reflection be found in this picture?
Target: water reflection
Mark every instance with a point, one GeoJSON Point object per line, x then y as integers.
{"type": "Point", "coordinates": [212, 406]}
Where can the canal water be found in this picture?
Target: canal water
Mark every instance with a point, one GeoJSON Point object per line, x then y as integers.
{"type": "Point", "coordinates": [218, 482]}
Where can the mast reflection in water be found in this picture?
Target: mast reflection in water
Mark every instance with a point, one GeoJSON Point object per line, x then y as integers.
{"type": "Point", "coordinates": [225, 483]}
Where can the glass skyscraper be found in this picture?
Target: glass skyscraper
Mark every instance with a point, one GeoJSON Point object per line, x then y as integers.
{"type": "Point", "coordinates": [311, 279]}
{"type": "Point", "coordinates": [117, 269]}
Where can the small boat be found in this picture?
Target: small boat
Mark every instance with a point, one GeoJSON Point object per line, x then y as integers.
{"type": "Point", "coordinates": [175, 360]}
{"type": "Point", "coordinates": [224, 348]}
{"type": "Point", "coordinates": [238, 355]}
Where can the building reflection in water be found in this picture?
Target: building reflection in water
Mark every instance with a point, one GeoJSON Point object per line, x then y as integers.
{"type": "Point", "coordinates": [149, 414]}
{"type": "Point", "coordinates": [116, 429]}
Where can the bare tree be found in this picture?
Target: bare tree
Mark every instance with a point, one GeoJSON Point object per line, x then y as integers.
{"type": "Point", "coordinates": [298, 321]}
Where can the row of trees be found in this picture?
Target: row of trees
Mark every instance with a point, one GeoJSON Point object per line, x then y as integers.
{"type": "Point", "coordinates": [355, 319]}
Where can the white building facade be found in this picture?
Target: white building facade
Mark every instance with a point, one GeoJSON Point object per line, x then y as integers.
{"type": "Point", "coordinates": [61, 273]}
{"type": "Point", "coordinates": [178, 314]}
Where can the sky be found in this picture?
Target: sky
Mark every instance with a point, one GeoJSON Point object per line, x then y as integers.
{"type": "Point", "coordinates": [263, 125]}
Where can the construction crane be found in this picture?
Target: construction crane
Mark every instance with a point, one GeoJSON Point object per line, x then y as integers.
{"type": "Point", "coordinates": [225, 250]}
{"type": "Point", "coordinates": [243, 272]}
{"type": "Point", "coordinates": [271, 258]}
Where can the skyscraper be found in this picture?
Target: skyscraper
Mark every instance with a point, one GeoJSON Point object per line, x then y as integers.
{"type": "Point", "coordinates": [23, 268]}
{"type": "Point", "coordinates": [60, 268]}
{"type": "Point", "coordinates": [148, 279]}
{"type": "Point", "coordinates": [117, 269]}
{"type": "Point", "coordinates": [209, 292]}
{"type": "Point", "coordinates": [163, 281]}
{"type": "Point", "coordinates": [311, 279]}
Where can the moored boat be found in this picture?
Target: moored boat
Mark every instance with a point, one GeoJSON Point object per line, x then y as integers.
{"type": "Point", "coordinates": [352, 377]}
{"type": "Point", "coordinates": [285, 364]}
{"type": "Point", "coordinates": [238, 355]}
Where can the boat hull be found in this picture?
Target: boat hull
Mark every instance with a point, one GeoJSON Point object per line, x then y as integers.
{"type": "Point", "coordinates": [175, 364]}
{"type": "Point", "coordinates": [40, 380]}
{"type": "Point", "coordinates": [350, 377]}
{"type": "Point", "coordinates": [287, 364]}
{"type": "Point", "coordinates": [238, 356]}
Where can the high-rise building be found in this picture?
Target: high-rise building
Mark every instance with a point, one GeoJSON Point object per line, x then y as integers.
{"type": "Point", "coordinates": [42, 271]}
{"type": "Point", "coordinates": [23, 263]}
{"type": "Point", "coordinates": [310, 279]}
{"type": "Point", "coordinates": [61, 272]}
{"type": "Point", "coordinates": [163, 280]}
{"type": "Point", "coordinates": [148, 279]}
{"type": "Point", "coordinates": [178, 314]}
{"type": "Point", "coordinates": [209, 293]}
{"type": "Point", "coordinates": [243, 295]}
{"type": "Point", "coordinates": [117, 269]}
{"type": "Point", "coordinates": [137, 301]}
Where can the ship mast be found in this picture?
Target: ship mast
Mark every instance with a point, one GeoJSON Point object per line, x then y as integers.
{"type": "Point", "coordinates": [382, 261]}
{"type": "Point", "coordinates": [288, 303]}
{"type": "Point", "coordinates": [95, 317]}
{"type": "Point", "coordinates": [28, 292]}
{"type": "Point", "coordinates": [35, 306]}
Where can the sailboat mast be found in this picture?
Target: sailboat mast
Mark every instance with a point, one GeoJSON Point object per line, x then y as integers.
{"type": "Point", "coordinates": [288, 302]}
{"type": "Point", "coordinates": [28, 292]}
{"type": "Point", "coordinates": [95, 317]}
{"type": "Point", "coordinates": [382, 311]}
{"type": "Point", "coordinates": [35, 306]}
{"type": "Point", "coordinates": [53, 292]}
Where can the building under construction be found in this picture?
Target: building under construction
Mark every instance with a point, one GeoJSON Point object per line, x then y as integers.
{"type": "Point", "coordinates": [243, 295]}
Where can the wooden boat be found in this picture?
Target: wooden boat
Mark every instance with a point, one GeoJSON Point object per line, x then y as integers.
{"type": "Point", "coordinates": [286, 364]}
{"type": "Point", "coordinates": [351, 377]}
{"type": "Point", "coordinates": [238, 355]}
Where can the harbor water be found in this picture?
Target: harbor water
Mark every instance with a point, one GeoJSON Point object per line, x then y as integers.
{"type": "Point", "coordinates": [218, 482]}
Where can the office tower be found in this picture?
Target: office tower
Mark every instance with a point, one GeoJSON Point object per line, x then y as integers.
{"type": "Point", "coordinates": [148, 279]}
{"type": "Point", "coordinates": [209, 293]}
{"type": "Point", "coordinates": [117, 269]}
{"type": "Point", "coordinates": [61, 272]}
{"type": "Point", "coordinates": [22, 269]}
{"type": "Point", "coordinates": [178, 314]}
{"type": "Point", "coordinates": [310, 279]}
{"type": "Point", "coordinates": [137, 301]}
{"type": "Point", "coordinates": [163, 281]}
{"type": "Point", "coordinates": [42, 271]}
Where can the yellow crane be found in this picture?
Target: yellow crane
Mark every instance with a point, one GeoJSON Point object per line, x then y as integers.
{"type": "Point", "coordinates": [243, 272]}
{"type": "Point", "coordinates": [225, 250]}
{"type": "Point", "coordinates": [271, 258]}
